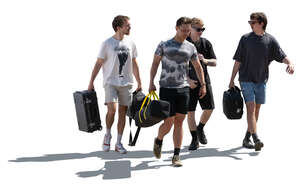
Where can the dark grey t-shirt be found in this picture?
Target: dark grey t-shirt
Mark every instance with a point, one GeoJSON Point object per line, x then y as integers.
{"type": "Point", "coordinates": [205, 48]}
{"type": "Point", "coordinates": [175, 62]}
{"type": "Point", "coordinates": [255, 53]}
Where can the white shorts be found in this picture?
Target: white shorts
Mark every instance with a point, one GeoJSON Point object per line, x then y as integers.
{"type": "Point", "coordinates": [120, 94]}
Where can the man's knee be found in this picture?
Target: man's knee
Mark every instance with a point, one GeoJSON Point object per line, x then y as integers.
{"type": "Point", "coordinates": [209, 111]}
{"type": "Point", "coordinates": [122, 109]}
{"type": "Point", "coordinates": [111, 109]}
{"type": "Point", "coordinates": [191, 115]}
{"type": "Point", "coordinates": [179, 118]}
{"type": "Point", "coordinates": [250, 107]}
{"type": "Point", "coordinates": [168, 122]}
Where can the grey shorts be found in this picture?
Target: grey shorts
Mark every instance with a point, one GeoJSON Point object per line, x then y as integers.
{"type": "Point", "coordinates": [120, 94]}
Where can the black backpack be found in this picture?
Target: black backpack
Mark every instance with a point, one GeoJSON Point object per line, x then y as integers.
{"type": "Point", "coordinates": [233, 103]}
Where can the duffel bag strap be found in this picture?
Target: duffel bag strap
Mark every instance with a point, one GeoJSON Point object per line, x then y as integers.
{"type": "Point", "coordinates": [132, 142]}
{"type": "Point", "coordinates": [145, 99]}
{"type": "Point", "coordinates": [152, 96]}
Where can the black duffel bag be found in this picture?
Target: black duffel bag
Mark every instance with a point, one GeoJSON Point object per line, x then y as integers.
{"type": "Point", "coordinates": [152, 111]}
{"type": "Point", "coordinates": [233, 103]}
{"type": "Point", "coordinates": [136, 103]}
{"type": "Point", "coordinates": [134, 107]}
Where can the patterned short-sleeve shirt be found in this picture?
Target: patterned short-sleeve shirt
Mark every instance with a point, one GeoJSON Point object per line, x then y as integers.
{"type": "Point", "coordinates": [175, 62]}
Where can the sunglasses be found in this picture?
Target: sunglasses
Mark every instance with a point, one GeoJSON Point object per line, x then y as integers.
{"type": "Point", "coordinates": [252, 22]}
{"type": "Point", "coordinates": [199, 29]}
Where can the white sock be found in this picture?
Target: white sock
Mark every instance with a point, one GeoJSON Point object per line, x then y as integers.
{"type": "Point", "coordinates": [119, 139]}
{"type": "Point", "coordinates": [108, 132]}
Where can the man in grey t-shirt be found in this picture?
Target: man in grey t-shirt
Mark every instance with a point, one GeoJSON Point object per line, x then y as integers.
{"type": "Point", "coordinates": [175, 54]}
{"type": "Point", "coordinates": [256, 50]}
{"type": "Point", "coordinates": [117, 57]}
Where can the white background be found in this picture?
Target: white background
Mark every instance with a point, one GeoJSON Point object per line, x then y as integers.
{"type": "Point", "coordinates": [48, 50]}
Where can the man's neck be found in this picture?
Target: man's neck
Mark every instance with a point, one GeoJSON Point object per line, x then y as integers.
{"type": "Point", "coordinates": [195, 38]}
{"type": "Point", "coordinates": [118, 36]}
{"type": "Point", "coordinates": [179, 39]}
{"type": "Point", "coordinates": [259, 33]}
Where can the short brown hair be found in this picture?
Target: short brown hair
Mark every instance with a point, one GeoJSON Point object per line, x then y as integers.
{"type": "Point", "coordinates": [196, 21]}
{"type": "Point", "coordinates": [119, 21]}
{"type": "Point", "coordinates": [183, 21]}
{"type": "Point", "coordinates": [260, 17]}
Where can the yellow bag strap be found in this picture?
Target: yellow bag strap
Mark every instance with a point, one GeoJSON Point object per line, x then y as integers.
{"type": "Point", "coordinates": [149, 95]}
{"type": "Point", "coordinates": [152, 96]}
{"type": "Point", "coordinates": [155, 95]}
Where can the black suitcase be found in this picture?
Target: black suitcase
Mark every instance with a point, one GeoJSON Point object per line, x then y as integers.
{"type": "Point", "coordinates": [233, 103]}
{"type": "Point", "coordinates": [87, 111]}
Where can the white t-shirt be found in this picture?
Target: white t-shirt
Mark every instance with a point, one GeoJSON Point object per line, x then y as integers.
{"type": "Point", "coordinates": [117, 67]}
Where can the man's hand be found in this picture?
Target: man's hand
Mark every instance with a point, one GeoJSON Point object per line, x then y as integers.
{"type": "Point", "coordinates": [201, 57]}
{"type": "Point", "coordinates": [193, 83]}
{"type": "Point", "coordinates": [152, 87]}
{"type": "Point", "coordinates": [91, 87]}
{"type": "Point", "coordinates": [290, 69]}
{"type": "Point", "coordinates": [202, 91]}
{"type": "Point", "coordinates": [139, 88]}
{"type": "Point", "coordinates": [231, 84]}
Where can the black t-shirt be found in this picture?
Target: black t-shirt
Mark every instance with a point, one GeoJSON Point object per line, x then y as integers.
{"type": "Point", "coordinates": [255, 53]}
{"type": "Point", "coordinates": [205, 48]}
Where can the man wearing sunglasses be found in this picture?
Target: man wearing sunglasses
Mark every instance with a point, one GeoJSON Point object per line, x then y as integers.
{"type": "Point", "coordinates": [207, 58]}
{"type": "Point", "coordinates": [175, 54]}
{"type": "Point", "coordinates": [256, 50]}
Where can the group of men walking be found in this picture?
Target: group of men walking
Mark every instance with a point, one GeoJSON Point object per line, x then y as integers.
{"type": "Point", "coordinates": [184, 79]}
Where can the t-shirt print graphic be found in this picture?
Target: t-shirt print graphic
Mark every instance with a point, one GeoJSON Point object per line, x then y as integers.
{"type": "Point", "coordinates": [123, 53]}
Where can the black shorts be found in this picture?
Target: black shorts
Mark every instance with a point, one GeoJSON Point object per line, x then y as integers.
{"type": "Point", "coordinates": [206, 103]}
{"type": "Point", "coordinates": [178, 99]}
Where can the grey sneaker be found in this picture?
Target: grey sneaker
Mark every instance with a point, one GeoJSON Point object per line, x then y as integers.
{"type": "Point", "coordinates": [157, 149]}
{"type": "Point", "coordinates": [176, 162]}
{"type": "Point", "coordinates": [119, 148]}
{"type": "Point", "coordinates": [106, 143]}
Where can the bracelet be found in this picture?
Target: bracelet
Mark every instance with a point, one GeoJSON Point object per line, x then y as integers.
{"type": "Point", "coordinates": [202, 85]}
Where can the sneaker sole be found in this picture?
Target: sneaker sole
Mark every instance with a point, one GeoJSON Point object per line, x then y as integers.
{"type": "Point", "coordinates": [248, 147]}
{"type": "Point", "coordinates": [203, 143]}
{"type": "Point", "coordinates": [193, 149]}
{"type": "Point", "coordinates": [177, 165]}
{"type": "Point", "coordinates": [156, 156]}
{"type": "Point", "coordinates": [120, 152]}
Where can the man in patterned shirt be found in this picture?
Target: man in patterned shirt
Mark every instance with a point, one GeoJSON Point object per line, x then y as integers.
{"type": "Point", "coordinates": [175, 54]}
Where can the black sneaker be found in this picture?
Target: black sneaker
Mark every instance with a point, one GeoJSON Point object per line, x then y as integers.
{"type": "Point", "coordinates": [247, 143]}
{"type": "Point", "coordinates": [157, 149]}
{"type": "Point", "coordinates": [201, 137]}
{"type": "Point", "coordinates": [258, 145]}
{"type": "Point", "coordinates": [194, 145]}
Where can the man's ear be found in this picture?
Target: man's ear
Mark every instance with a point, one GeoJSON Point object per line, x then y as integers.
{"type": "Point", "coordinates": [118, 28]}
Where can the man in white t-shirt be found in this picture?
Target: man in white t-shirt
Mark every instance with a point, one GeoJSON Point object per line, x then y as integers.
{"type": "Point", "coordinates": [117, 57]}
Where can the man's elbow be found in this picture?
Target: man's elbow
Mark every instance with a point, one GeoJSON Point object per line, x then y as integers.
{"type": "Point", "coordinates": [214, 63]}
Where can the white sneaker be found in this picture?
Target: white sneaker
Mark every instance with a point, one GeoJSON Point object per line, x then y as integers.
{"type": "Point", "coordinates": [106, 143]}
{"type": "Point", "coordinates": [119, 148]}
